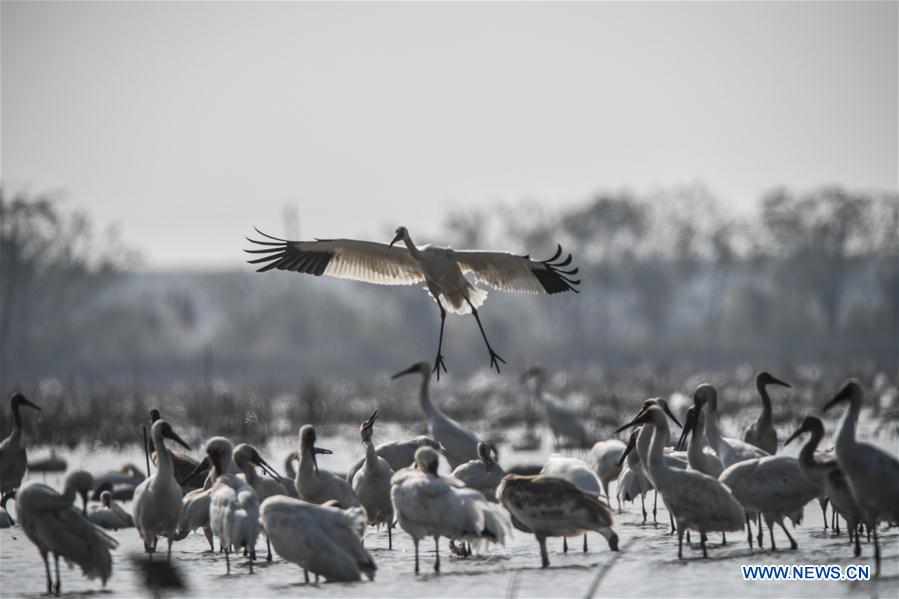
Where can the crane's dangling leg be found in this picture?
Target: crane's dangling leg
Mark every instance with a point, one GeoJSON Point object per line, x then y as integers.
{"type": "Point", "coordinates": [438, 361]}
{"type": "Point", "coordinates": [494, 357]}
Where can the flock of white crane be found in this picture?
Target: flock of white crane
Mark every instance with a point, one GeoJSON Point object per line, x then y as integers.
{"type": "Point", "coordinates": [318, 519]}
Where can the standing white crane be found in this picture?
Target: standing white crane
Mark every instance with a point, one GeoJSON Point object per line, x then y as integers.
{"type": "Point", "coordinates": [234, 505]}
{"type": "Point", "coordinates": [55, 526]}
{"type": "Point", "coordinates": [322, 539]}
{"type": "Point", "coordinates": [575, 471]}
{"type": "Point", "coordinates": [371, 483]}
{"type": "Point", "coordinates": [761, 432]}
{"type": "Point", "coordinates": [548, 506]}
{"type": "Point", "coordinates": [13, 459]}
{"type": "Point", "coordinates": [873, 473]}
{"type": "Point", "coordinates": [247, 458]}
{"type": "Point", "coordinates": [187, 471]}
{"type": "Point", "coordinates": [441, 269]}
{"type": "Point", "coordinates": [730, 450]}
{"type": "Point", "coordinates": [429, 505]}
{"type": "Point", "coordinates": [824, 472]}
{"type": "Point", "coordinates": [157, 500]}
{"type": "Point", "coordinates": [318, 486]}
{"type": "Point", "coordinates": [697, 457]}
{"type": "Point", "coordinates": [605, 456]}
{"type": "Point", "coordinates": [483, 474]}
{"type": "Point", "coordinates": [564, 422]}
{"type": "Point", "coordinates": [695, 500]}
{"type": "Point", "coordinates": [633, 481]}
{"type": "Point", "coordinates": [399, 454]}
{"type": "Point", "coordinates": [461, 445]}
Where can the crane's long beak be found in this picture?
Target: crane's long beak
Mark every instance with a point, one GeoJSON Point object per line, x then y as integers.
{"type": "Point", "coordinates": [268, 468]}
{"type": "Point", "coordinates": [201, 467]}
{"type": "Point", "coordinates": [322, 450]}
{"type": "Point", "coordinates": [174, 437]}
{"type": "Point", "coordinates": [410, 370]}
{"type": "Point", "coordinates": [28, 403]}
{"type": "Point", "coordinates": [371, 420]}
{"type": "Point", "coordinates": [795, 434]}
{"type": "Point", "coordinates": [688, 426]}
{"type": "Point", "coordinates": [396, 238]}
{"type": "Point", "coordinates": [775, 381]}
{"type": "Point", "coordinates": [631, 444]}
{"type": "Point", "coordinates": [638, 419]}
{"type": "Point", "coordinates": [840, 395]}
{"type": "Point", "coordinates": [667, 411]}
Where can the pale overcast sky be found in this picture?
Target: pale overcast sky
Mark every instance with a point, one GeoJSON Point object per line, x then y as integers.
{"type": "Point", "coordinates": [187, 124]}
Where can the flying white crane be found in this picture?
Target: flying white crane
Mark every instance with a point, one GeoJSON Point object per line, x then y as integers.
{"type": "Point", "coordinates": [873, 473]}
{"type": "Point", "coordinates": [564, 422]}
{"type": "Point", "coordinates": [157, 500]}
{"type": "Point", "coordinates": [761, 432]}
{"type": "Point", "coordinates": [605, 456]}
{"type": "Point", "coordinates": [234, 505]}
{"type": "Point", "coordinates": [824, 472]}
{"type": "Point", "coordinates": [318, 486]}
{"type": "Point", "coordinates": [483, 474]}
{"type": "Point", "coordinates": [695, 500]}
{"type": "Point", "coordinates": [548, 506]}
{"type": "Point", "coordinates": [460, 445]}
{"type": "Point", "coordinates": [429, 505]}
{"type": "Point", "coordinates": [441, 269]}
{"type": "Point", "coordinates": [55, 526]}
{"type": "Point", "coordinates": [109, 514]}
{"type": "Point", "coordinates": [371, 483]}
{"type": "Point", "coordinates": [13, 459]}
{"type": "Point", "coordinates": [319, 538]}
{"type": "Point", "coordinates": [399, 454]}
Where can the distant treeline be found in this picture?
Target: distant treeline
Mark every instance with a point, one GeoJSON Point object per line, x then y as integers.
{"type": "Point", "coordinates": [671, 280]}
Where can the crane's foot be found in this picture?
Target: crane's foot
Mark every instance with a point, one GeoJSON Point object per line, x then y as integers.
{"type": "Point", "coordinates": [438, 364]}
{"type": "Point", "coordinates": [495, 359]}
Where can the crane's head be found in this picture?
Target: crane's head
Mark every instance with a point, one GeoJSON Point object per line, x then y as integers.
{"type": "Point", "coordinates": [105, 498]}
{"type": "Point", "coordinates": [810, 424]}
{"type": "Point", "coordinates": [401, 234]}
{"type": "Point", "coordinates": [850, 391]}
{"type": "Point", "coordinates": [764, 378]}
{"type": "Point", "coordinates": [163, 430]}
{"type": "Point", "coordinates": [154, 415]}
{"type": "Point", "coordinates": [488, 454]}
{"type": "Point", "coordinates": [422, 368]}
{"type": "Point", "coordinates": [651, 408]}
{"type": "Point", "coordinates": [365, 429]}
{"type": "Point", "coordinates": [426, 441]}
{"type": "Point", "coordinates": [80, 482]}
{"type": "Point", "coordinates": [247, 454]}
{"type": "Point", "coordinates": [689, 425]}
{"type": "Point", "coordinates": [17, 399]}
{"type": "Point", "coordinates": [307, 445]}
{"type": "Point", "coordinates": [427, 459]}
{"type": "Point", "coordinates": [706, 394]}
{"type": "Point", "coordinates": [219, 451]}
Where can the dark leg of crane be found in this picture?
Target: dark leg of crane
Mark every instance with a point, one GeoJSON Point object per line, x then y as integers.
{"type": "Point", "coordinates": [749, 531]}
{"type": "Point", "coordinates": [494, 357]}
{"type": "Point", "coordinates": [585, 542]}
{"type": "Point", "coordinates": [437, 553]}
{"type": "Point", "coordinates": [655, 505]}
{"type": "Point", "coordinates": [438, 361]}
{"type": "Point", "coordinates": [761, 530]}
{"type": "Point", "coordinates": [702, 542]}
{"type": "Point", "coordinates": [680, 543]}
{"type": "Point", "coordinates": [723, 538]}
{"type": "Point", "coordinates": [306, 575]}
{"type": "Point", "coordinates": [670, 517]}
{"type": "Point", "coordinates": [268, 550]}
{"type": "Point", "coordinates": [876, 557]}
{"type": "Point", "coordinates": [793, 544]}
{"type": "Point", "coordinates": [389, 535]}
{"type": "Point", "coordinates": [544, 558]}
{"type": "Point", "coordinates": [56, 559]}
{"type": "Point", "coordinates": [227, 561]}
{"type": "Point", "coordinates": [564, 545]}
{"type": "Point", "coordinates": [416, 556]}
{"type": "Point", "coordinates": [771, 532]}
{"type": "Point", "coordinates": [824, 512]}
{"type": "Point", "coordinates": [47, 568]}
{"type": "Point", "coordinates": [643, 505]}
{"type": "Point", "coordinates": [858, 547]}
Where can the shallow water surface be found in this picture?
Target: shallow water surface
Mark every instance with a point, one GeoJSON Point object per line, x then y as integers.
{"type": "Point", "coordinates": [647, 564]}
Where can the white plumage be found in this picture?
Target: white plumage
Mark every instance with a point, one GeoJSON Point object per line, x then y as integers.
{"type": "Point", "coordinates": [324, 540]}
{"type": "Point", "coordinates": [482, 474]}
{"type": "Point", "coordinates": [371, 483]}
{"type": "Point", "coordinates": [729, 450]}
{"type": "Point", "coordinates": [605, 457]}
{"type": "Point", "coordinates": [109, 514]}
{"type": "Point", "coordinates": [399, 454]}
{"type": "Point", "coordinates": [318, 486]}
{"type": "Point", "coordinates": [441, 269]}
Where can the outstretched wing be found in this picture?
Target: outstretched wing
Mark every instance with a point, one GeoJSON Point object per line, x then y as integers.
{"type": "Point", "coordinates": [507, 272]}
{"type": "Point", "coordinates": [365, 261]}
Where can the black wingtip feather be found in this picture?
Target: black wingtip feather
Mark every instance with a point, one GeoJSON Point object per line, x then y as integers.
{"type": "Point", "coordinates": [553, 278]}
{"type": "Point", "coordinates": [287, 255]}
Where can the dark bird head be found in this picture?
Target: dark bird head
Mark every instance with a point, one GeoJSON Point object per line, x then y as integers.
{"type": "Point", "coordinates": [810, 424]}
{"type": "Point", "coordinates": [307, 444]}
{"type": "Point", "coordinates": [689, 425]}
{"type": "Point", "coordinates": [245, 453]}
{"type": "Point", "coordinates": [154, 415]}
{"type": "Point", "coordinates": [706, 394]}
{"type": "Point", "coordinates": [631, 445]}
{"type": "Point", "coordinates": [163, 430]}
{"type": "Point", "coordinates": [219, 451]}
{"type": "Point", "coordinates": [427, 460]}
{"type": "Point", "coordinates": [365, 429]}
{"type": "Point", "coordinates": [422, 368]}
{"type": "Point", "coordinates": [17, 399]}
{"type": "Point", "coordinates": [400, 235]}
{"type": "Point", "coordinates": [850, 391]}
{"type": "Point", "coordinates": [81, 482]}
{"type": "Point", "coordinates": [763, 379]}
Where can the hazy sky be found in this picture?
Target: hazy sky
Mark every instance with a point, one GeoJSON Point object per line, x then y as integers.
{"type": "Point", "coordinates": [189, 123]}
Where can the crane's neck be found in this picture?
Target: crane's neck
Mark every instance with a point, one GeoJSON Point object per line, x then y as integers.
{"type": "Point", "coordinates": [249, 472]}
{"type": "Point", "coordinates": [846, 433]}
{"type": "Point", "coordinates": [697, 439]}
{"type": "Point", "coordinates": [424, 396]}
{"type": "Point", "coordinates": [410, 245]}
{"type": "Point", "coordinates": [807, 453]}
{"type": "Point", "coordinates": [766, 402]}
{"type": "Point", "coordinates": [288, 465]}
{"type": "Point", "coordinates": [69, 492]}
{"type": "Point", "coordinates": [712, 434]}
{"type": "Point", "coordinates": [164, 465]}
{"type": "Point", "coordinates": [656, 462]}
{"type": "Point", "coordinates": [307, 463]}
{"type": "Point", "coordinates": [371, 456]}
{"type": "Point", "coordinates": [643, 442]}
{"type": "Point", "coordinates": [16, 435]}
